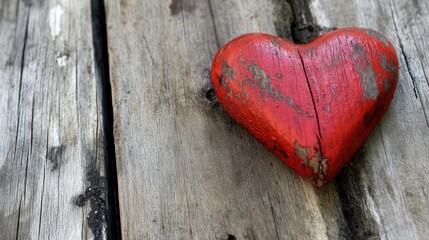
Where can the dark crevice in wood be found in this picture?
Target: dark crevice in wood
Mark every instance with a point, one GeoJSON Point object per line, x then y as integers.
{"type": "Point", "coordinates": [112, 214]}
{"type": "Point", "coordinates": [18, 121]}
{"type": "Point", "coordinates": [210, 95]}
{"type": "Point", "coordinates": [20, 83]}
{"type": "Point", "coordinates": [208, 89]}
{"type": "Point", "coordinates": [353, 193]}
{"type": "Point", "coordinates": [304, 28]}
{"type": "Point", "coordinates": [273, 216]}
{"type": "Point", "coordinates": [407, 63]}
{"type": "Point", "coordinates": [283, 18]}
{"type": "Point", "coordinates": [96, 194]}
{"type": "Point", "coordinates": [23, 60]}
{"type": "Point", "coordinates": [231, 237]}
{"type": "Point", "coordinates": [32, 126]}
{"type": "Point", "coordinates": [26, 178]}
{"type": "Point", "coordinates": [17, 222]}
{"type": "Point", "coordinates": [294, 21]}
{"type": "Point", "coordinates": [41, 202]}
{"type": "Point", "coordinates": [43, 182]}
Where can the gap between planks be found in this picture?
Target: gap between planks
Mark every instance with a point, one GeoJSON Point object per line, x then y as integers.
{"type": "Point", "coordinates": [101, 56]}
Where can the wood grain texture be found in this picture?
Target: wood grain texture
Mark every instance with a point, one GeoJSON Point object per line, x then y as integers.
{"type": "Point", "coordinates": [51, 147]}
{"type": "Point", "coordinates": [185, 169]}
{"type": "Point", "coordinates": [384, 191]}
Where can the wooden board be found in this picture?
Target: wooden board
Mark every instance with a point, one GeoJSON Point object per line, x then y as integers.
{"type": "Point", "coordinates": [185, 169]}
{"type": "Point", "coordinates": [385, 190]}
{"type": "Point", "coordinates": [52, 143]}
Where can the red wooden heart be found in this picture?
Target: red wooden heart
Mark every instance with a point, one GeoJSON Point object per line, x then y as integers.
{"type": "Point", "coordinates": [312, 105]}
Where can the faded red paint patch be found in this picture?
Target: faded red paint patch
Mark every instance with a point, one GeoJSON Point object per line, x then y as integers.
{"type": "Point", "coordinates": [312, 105]}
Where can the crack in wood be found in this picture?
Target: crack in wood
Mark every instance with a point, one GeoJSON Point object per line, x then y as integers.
{"type": "Point", "coordinates": [18, 220]}
{"type": "Point", "coordinates": [20, 83]}
{"type": "Point", "coordinates": [111, 202]}
{"type": "Point", "coordinates": [408, 65]}
{"type": "Point", "coordinates": [41, 201]}
{"type": "Point", "coordinates": [353, 191]}
{"type": "Point", "coordinates": [407, 62]}
{"type": "Point", "coordinates": [303, 28]}
{"type": "Point", "coordinates": [273, 215]}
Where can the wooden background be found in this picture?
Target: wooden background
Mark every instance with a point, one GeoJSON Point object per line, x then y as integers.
{"type": "Point", "coordinates": [108, 128]}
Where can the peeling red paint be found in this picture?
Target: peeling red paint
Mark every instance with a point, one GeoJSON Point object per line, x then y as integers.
{"type": "Point", "coordinates": [318, 101]}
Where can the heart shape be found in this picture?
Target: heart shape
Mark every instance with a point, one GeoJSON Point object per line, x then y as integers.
{"type": "Point", "coordinates": [312, 105]}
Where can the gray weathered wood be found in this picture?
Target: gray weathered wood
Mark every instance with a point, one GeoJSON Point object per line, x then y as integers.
{"type": "Point", "coordinates": [51, 147]}
{"type": "Point", "coordinates": [385, 191]}
{"type": "Point", "coordinates": [185, 170]}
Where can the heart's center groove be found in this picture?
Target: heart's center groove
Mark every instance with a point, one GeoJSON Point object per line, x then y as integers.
{"type": "Point", "coordinates": [320, 169]}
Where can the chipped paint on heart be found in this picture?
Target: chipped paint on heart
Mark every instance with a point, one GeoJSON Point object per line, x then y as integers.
{"type": "Point", "coordinates": [263, 81]}
{"type": "Point", "coordinates": [365, 70]}
{"type": "Point", "coordinates": [314, 161]}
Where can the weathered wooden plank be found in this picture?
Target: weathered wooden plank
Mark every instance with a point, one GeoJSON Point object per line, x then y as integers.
{"type": "Point", "coordinates": [385, 190]}
{"type": "Point", "coordinates": [185, 169]}
{"type": "Point", "coordinates": [51, 147]}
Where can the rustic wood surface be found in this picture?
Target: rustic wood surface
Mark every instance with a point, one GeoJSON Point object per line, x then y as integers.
{"type": "Point", "coordinates": [51, 147]}
{"type": "Point", "coordinates": [185, 170]}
